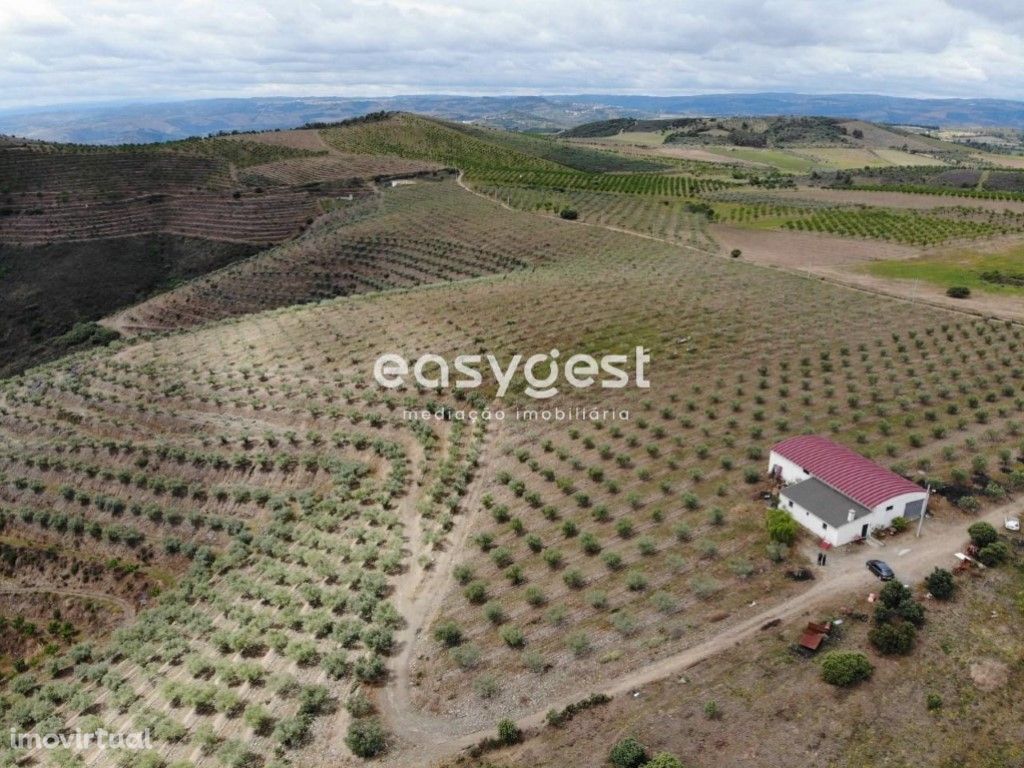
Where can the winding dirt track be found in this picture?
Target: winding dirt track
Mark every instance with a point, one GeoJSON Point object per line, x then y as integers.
{"type": "Point", "coordinates": [419, 597]}
{"type": "Point", "coordinates": [435, 739]}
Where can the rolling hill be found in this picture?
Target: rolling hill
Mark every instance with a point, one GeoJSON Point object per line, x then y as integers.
{"type": "Point", "coordinates": [217, 524]}
{"type": "Point", "coordinates": [134, 123]}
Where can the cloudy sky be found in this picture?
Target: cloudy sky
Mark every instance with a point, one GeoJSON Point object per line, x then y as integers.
{"type": "Point", "coordinates": [64, 51]}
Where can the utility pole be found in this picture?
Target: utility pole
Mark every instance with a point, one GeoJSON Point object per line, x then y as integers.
{"type": "Point", "coordinates": [920, 521]}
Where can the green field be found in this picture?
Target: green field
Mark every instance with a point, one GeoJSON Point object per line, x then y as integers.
{"type": "Point", "coordinates": [963, 267]}
{"type": "Point", "coordinates": [776, 158]}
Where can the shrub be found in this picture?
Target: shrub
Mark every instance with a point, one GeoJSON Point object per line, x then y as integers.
{"type": "Point", "coordinates": [735, 253]}
{"type": "Point", "coordinates": [704, 586]}
{"type": "Point", "coordinates": [664, 760]}
{"type": "Point", "coordinates": [569, 214]}
{"type": "Point", "coordinates": [534, 662]}
{"type": "Point", "coordinates": [776, 551]}
{"type": "Point", "coordinates": [558, 718]}
{"type": "Point", "coordinates": [968, 503]}
{"type": "Point", "coordinates": [292, 731]}
{"type": "Point", "coordinates": [628, 753]}
{"type": "Point", "coordinates": [574, 579]}
{"type": "Point", "coordinates": [466, 656]}
{"type": "Point", "coordinates": [612, 560]}
{"type": "Point", "coordinates": [358, 705]}
{"type": "Point", "coordinates": [958, 291]}
{"type": "Point", "coordinates": [486, 687]}
{"type": "Point", "coordinates": [994, 554]}
{"type": "Point", "coordinates": [448, 634]}
{"type": "Point", "coordinates": [366, 738]}
{"type": "Point", "coordinates": [845, 668]}
{"type": "Point", "coordinates": [893, 638]}
{"type": "Point", "coordinates": [707, 548]}
{"type": "Point", "coordinates": [933, 702]}
{"type": "Point", "coordinates": [494, 613]}
{"type": "Point", "coordinates": [553, 557]}
{"type": "Point", "coordinates": [476, 592]}
{"type": "Point", "coordinates": [982, 534]}
{"type": "Point", "coordinates": [515, 575]}
{"type": "Point", "coordinates": [664, 602]}
{"type": "Point", "coordinates": [232, 754]}
{"type": "Point", "coordinates": [636, 581]}
{"type": "Point", "coordinates": [502, 557]}
{"type": "Point", "coordinates": [370, 669]}
{"type": "Point", "coordinates": [940, 584]}
{"type": "Point", "coordinates": [513, 637]}
{"type": "Point", "coordinates": [893, 593]}
{"type": "Point", "coordinates": [578, 643]}
{"type": "Point", "coordinates": [258, 718]}
{"type": "Point", "coordinates": [912, 611]}
{"type": "Point", "coordinates": [782, 528]}
{"type": "Point", "coordinates": [508, 732]}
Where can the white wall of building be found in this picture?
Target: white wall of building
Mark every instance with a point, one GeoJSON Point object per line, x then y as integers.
{"type": "Point", "coordinates": [791, 473]}
{"type": "Point", "coordinates": [897, 505]}
{"type": "Point", "coordinates": [810, 521]}
{"type": "Point", "coordinates": [879, 517]}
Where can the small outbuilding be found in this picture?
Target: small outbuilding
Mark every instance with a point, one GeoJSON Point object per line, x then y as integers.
{"type": "Point", "coordinates": [836, 493]}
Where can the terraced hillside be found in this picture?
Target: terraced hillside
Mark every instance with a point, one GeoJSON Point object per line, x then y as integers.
{"type": "Point", "coordinates": [315, 531]}
{"type": "Point", "coordinates": [300, 567]}
{"type": "Point", "coordinates": [51, 294]}
{"type": "Point", "coordinates": [54, 194]}
{"type": "Point", "coordinates": [599, 546]}
{"type": "Point", "coordinates": [425, 232]}
{"type": "Point", "coordinates": [285, 519]}
{"type": "Point", "coordinates": [86, 230]}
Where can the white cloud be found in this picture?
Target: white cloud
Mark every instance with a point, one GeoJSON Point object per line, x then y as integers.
{"type": "Point", "coordinates": [61, 51]}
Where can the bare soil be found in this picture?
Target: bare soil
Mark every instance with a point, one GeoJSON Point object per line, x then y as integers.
{"type": "Point", "coordinates": [301, 138]}
{"type": "Point", "coordinates": [894, 199]}
{"type": "Point", "coordinates": [92, 615]}
{"type": "Point", "coordinates": [843, 260]}
{"type": "Point", "coordinates": [773, 708]}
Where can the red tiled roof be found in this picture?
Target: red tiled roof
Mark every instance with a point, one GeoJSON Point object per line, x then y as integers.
{"type": "Point", "coordinates": [847, 471]}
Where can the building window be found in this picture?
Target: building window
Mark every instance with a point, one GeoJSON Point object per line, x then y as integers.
{"type": "Point", "coordinates": [824, 526]}
{"type": "Point", "coordinates": [791, 505]}
{"type": "Point", "coordinates": [889, 508]}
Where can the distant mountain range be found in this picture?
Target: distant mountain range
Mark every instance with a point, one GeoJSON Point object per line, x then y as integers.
{"type": "Point", "coordinates": [138, 123]}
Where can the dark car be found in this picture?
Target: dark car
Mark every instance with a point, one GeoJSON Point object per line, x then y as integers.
{"type": "Point", "coordinates": [881, 570]}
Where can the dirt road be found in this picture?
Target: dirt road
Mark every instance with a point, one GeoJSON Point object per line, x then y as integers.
{"type": "Point", "coordinates": [844, 578]}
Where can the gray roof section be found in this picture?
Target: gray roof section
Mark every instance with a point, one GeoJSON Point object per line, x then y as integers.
{"type": "Point", "coordinates": [824, 501]}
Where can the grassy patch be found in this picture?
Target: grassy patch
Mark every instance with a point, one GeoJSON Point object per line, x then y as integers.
{"type": "Point", "coordinates": [784, 161]}
{"type": "Point", "coordinates": [963, 267]}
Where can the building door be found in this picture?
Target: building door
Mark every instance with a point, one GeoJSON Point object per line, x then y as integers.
{"type": "Point", "coordinates": [913, 509]}
{"type": "Point", "coordinates": [864, 531]}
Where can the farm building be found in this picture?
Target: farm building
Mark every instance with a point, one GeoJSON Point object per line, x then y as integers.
{"type": "Point", "coordinates": [836, 493]}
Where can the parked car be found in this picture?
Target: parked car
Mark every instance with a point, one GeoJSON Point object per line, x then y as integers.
{"type": "Point", "coordinates": [1011, 524]}
{"type": "Point", "coordinates": [881, 570]}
